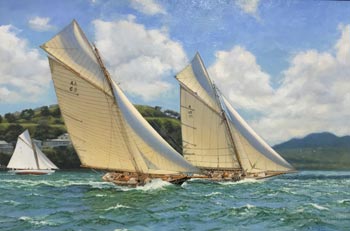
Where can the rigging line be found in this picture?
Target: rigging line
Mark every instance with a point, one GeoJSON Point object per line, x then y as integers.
{"type": "Point", "coordinates": [25, 142]}
{"type": "Point", "coordinates": [109, 81]}
{"type": "Point", "coordinates": [191, 109]}
{"type": "Point", "coordinates": [186, 125]}
{"type": "Point", "coordinates": [166, 135]}
{"type": "Point", "coordinates": [194, 94]}
{"type": "Point", "coordinates": [56, 59]}
{"type": "Point", "coordinates": [184, 141]}
{"type": "Point", "coordinates": [65, 113]}
{"type": "Point", "coordinates": [35, 154]}
{"type": "Point", "coordinates": [228, 128]}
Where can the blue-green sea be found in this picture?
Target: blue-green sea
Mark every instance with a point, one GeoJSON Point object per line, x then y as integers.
{"type": "Point", "coordinates": [80, 200]}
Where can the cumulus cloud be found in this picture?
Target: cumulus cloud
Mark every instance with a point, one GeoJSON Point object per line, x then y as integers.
{"type": "Point", "coordinates": [24, 76]}
{"type": "Point", "coordinates": [140, 59]}
{"type": "Point", "coordinates": [314, 95]}
{"type": "Point", "coordinates": [249, 6]}
{"type": "Point", "coordinates": [237, 73]}
{"type": "Point", "coordinates": [40, 24]}
{"type": "Point", "coordinates": [149, 7]}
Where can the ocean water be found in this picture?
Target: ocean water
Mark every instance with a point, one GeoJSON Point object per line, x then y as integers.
{"type": "Point", "coordinates": [309, 200]}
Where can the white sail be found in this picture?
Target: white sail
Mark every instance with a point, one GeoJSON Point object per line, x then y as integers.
{"type": "Point", "coordinates": [205, 138]}
{"type": "Point", "coordinates": [151, 146]}
{"type": "Point", "coordinates": [26, 156]}
{"type": "Point", "coordinates": [44, 162]}
{"type": "Point", "coordinates": [255, 153]}
{"type": "Point", "coordinates": [106, 130]}
{"type": "Point", "coordinates": [206, 143]}
{"type": "Point", "coordinates": [210, 123]}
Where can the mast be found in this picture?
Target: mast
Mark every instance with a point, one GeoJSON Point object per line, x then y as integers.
{"type": "Point", "coordinates": [224, 116]}
{"type": "Point", "coordinates": [109, 81]}
{"type": "Point", "coordinates": [35, 154]}
{"type": "Point", "coordinates": [217, 97]}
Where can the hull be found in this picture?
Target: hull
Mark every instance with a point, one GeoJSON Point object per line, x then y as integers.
{"type": "Point", "coordinates": [133, 179]}
{"type": "Point", "coordinates": [234, 176]}
{"type": "Point", "coordinates": [32, 171]}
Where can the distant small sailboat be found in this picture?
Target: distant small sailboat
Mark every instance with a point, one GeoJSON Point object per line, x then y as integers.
{"type": "Point", "coordinates": [29, 159]}
{"type": "Point", "coordinates": [106, 129]}
{"type": "Point", "coordinates": [215, 137]}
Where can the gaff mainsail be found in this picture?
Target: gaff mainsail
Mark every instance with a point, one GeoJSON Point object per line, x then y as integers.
{"type": "Point", "coordinates": [106, 130]}
{"type": "Point", "coordinates": [214, 136]}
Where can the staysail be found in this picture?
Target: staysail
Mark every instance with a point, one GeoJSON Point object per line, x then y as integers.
{"type": "Point", "coordinates": [213, 133]}
{"type": "Point", "coordinates": [28, 156]}
{"type": "Point", "coordinates": [106, 130]}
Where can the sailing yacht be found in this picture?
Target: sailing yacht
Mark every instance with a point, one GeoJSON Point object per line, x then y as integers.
{"type": "Point", "coordinates": [105, 128]}
{"type": "Point", "coordinates": [29, 159]}
{"type": "Point", "coordinates": [215, 137]}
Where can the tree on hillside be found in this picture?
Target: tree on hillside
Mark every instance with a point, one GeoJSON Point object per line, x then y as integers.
{"type": "Point", "coordinates": [56, 112]}
{"type": "Point", "coordinates": [42, 130]}
{"type": "Point", "coordinates": [27, 114]}
{"type": "Point", "coordinates": [44, 111]}
{"type": "Point", "coordinates": [63, 157]}
{"type": "Point", "coordinates": [10, 117]}
{"type": "Point", "coordinates": [12, 132]}
{"type": "Point", "coordinates": [0, 119]}
{"type": "Point", "coordinates": [158, 112]}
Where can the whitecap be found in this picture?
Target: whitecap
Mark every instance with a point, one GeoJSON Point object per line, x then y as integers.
{"type": "Point", "coordinates": [117, 206]}
{"type": "Point", "coordinates": [35, 222]}
{"type": "Point", "coordinates": [11, 202]}
{"type": "Point", "coordinates": [343, 201]}
{"type": "Point", "coordinates": [319, 207]}
{"type": "Point", "coordinates": [100, 195]}
{"type": "Point", "coordinates": [249, 206]}
{"type": "Point", "coordinates": [154, 185]}
{"type": "Point", "coordinates": [213, 194]}
{"type": "Point", "coordinates": [244, 181]}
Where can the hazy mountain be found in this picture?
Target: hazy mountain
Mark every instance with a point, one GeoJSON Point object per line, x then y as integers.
{"type": "Point", "coordinates": [316, 140]}
{"type": "Point", "coordinates": [317, 151]}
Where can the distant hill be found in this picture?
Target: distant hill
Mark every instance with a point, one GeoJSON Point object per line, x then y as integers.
{"type": "Point", "coordinates": [317, 151]}
{"type": "Point", "coordinates": [316, 140]}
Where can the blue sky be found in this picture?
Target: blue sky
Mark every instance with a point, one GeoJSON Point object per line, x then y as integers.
{"type": "Point", "coordinates": [275, 60]}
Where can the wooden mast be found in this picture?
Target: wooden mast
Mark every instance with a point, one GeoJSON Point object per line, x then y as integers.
{"type": "Point", "coordinates": [109, 81]}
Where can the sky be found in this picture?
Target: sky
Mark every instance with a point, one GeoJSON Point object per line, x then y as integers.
{"type": "Point", "coordinates": [284, 65]}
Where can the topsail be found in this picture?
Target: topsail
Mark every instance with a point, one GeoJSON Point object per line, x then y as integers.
{"type": "Point", "coordinates": [106, 130]}
{"type": "Point", "coordinates": [214, 135]}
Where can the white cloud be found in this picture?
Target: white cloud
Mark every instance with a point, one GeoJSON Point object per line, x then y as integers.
{"type": "Point", "coordinates": [249, 6]}
{"type": "Point", "coordinates": [24, 76]}
{"type": "Point", "coordinates": [314, 95]}
{"type": "Point", "coordinates": [141, 60]}
{"type": "Point", "coordinates": [149, 7]}
{"type": "Point", "coordinates": [40, 24]}
{"type": "Point", "coordinates": [237, 74]}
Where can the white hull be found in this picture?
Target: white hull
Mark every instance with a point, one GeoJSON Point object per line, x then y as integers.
{"type": "Point", "coordinates": [32, 171]}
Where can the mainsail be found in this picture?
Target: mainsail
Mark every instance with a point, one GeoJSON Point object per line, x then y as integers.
{"type": "Point", "coordinates": [106, 130]}
{"type": "Point", "coordinates": [27, 155]}
{"type": "Point", "coordinates": [214, 135]}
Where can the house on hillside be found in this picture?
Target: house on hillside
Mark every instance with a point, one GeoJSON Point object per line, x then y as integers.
{"type": "Point", "coordinates": [5, 147]}
{"type": "Point", "coordinates": [61, 141]}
